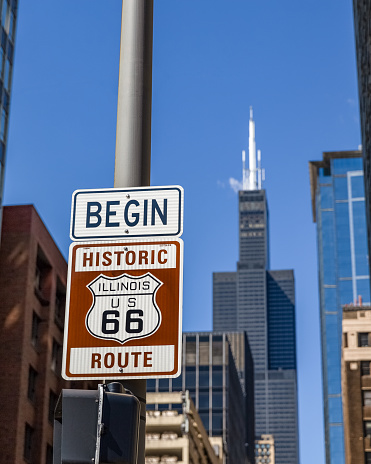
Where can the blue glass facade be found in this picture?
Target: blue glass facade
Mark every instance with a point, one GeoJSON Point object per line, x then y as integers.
{"type": "Point", "coordinates": [281, 320]}
{"type": "Point", "coordinates": [339, 210]}
{"type": "Point", "coordinates": [8, 17]}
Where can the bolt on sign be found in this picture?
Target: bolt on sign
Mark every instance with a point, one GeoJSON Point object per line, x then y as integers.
{"type": "Point", "coordinates": [123, 311]}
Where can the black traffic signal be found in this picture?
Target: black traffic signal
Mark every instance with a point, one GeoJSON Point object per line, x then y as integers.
{"type": "Point", "coordinates": [96, 426]}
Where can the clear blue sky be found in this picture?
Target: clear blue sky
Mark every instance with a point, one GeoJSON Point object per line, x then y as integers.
{"type": "Point", "coordinates": [293, 61]}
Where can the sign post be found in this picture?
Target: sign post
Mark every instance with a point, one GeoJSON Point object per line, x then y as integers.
{"type": "Point", "coordinates": [133, 133]}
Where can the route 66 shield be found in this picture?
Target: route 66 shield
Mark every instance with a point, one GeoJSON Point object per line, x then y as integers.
{"type": "Point", "coordinates": [124, 307]}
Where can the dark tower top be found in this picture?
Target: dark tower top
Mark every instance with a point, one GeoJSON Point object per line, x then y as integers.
{"type": "Point", "coordinates": [253, 229]}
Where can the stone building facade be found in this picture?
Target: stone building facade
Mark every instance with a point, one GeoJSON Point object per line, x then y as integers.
{"type": "Point", "coordinates": [356, 383]}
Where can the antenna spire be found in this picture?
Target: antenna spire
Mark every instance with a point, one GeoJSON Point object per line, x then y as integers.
{"type": "Point", "coordinates": [253, 176]}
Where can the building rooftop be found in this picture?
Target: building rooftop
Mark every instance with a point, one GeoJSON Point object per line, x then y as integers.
{"type": "Point", "coordinates": [173, 436]}
{"type": "Point", "coordinates": [325, 163]}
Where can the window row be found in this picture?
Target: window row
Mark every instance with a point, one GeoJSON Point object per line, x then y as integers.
{"type": "Point", "coordinates": [29, 443]}
{"type": "Point", "coordinates": [31, 392]}
{"type": "Point", "coordinates": [42, 285]}
{"type": "Point", "coordinates": [364, 339]}
{"type": "Point", "coordinates": [190, 380]}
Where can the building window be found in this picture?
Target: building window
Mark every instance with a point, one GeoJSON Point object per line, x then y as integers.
{"type": "Point", "coordinates": [192, 395]}
{"type": "Point", "coordinates": [190, 377]}
{"type": "Point", "coordinates": [7, 75]}
{"type": "Point", "coordinates": [177, 383]}
{"type": "Point", "coordinates": [218, 423]}
{"type": "Point", "coordinates": [42, 280]}
{"type": "Point", "coordinates": [217, 376]}
{"type": "Point", "coordinates": [28, 439]}
{"type": "Point", "coordinates": [217, 350]}
{"type": "Point", "coordinates": [363, 339]}
{"type": "Point", "coordinates": [217, 400]}
{"type": "Point", "coordinates": [53, 398]}
{"type": "Point", "coordinates": [151, 385]}
{"type": "Point", "coordinates": [368, 458]}
{"type": "Point", "coordinates": [365, 367]}
{"type": "Point", "coordinates": [163, 407]}
{"type": "Point", "coordinates": [204, 348]}
{"type": "Point", "coordinates": [60, 304]}
{"type": "Point", "coordinates": [205, 420]}
{"type": "Point", "coordinates": [35, 329]}
{"type": "Point", "coordinates": [366, 397]}
{"type": "Point", "coordinates": [32, 378]}
{"type": "Point", "coordinates": [49, 454]}
{"type": "Point", "coordinates": [56, 357]}
{"type": "Point", "coordinates": [1, 62]}
{"type": "Point", "coordinates": [12, 26]}
{"type": "Point", "coordinates": [3, 124]}
{"type": "Point", "coordinates": [203, 376]}
{"type": "Point", "coordinates": [367, 428]}
{"type": "Point", "coordinates": [4, 13]}
{"type": "Point", "coordinates": [163, 385]}
{"type": "Point", "coordinates": [191, 351]}
{"type": "Point", "coordinates": [203, 400]}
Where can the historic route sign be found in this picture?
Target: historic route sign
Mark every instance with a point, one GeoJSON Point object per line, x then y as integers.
{"type": "Point", "coordinates": [127, 213]}
{"type": "Point", "coordinates": [124, 310]}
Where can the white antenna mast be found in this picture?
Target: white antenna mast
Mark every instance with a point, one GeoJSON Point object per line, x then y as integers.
{"type": "Point", "coordinates": [252, 178]}
{"type": "Point", "coordinates": [252, 153]}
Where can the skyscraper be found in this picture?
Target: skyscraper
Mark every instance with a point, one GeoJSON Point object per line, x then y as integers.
{"type": "Point", "coordinates": [218, 373]}
{"type": "Point", "coordinates": [8, 28]}
{"type": "Point", "coordinates": [362, 18]}
{"type": "Point", "coordinates": [338, 204]}
{"type": "Point", "coordinates": [262, 303]}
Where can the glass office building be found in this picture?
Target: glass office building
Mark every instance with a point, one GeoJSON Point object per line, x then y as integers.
{"type": "Point", "coordinates": [338, 205]}
{"type": "Point", "coordinates": [8, 9]}
{"type": "Point", "coordinates": [217, 371]}
{"type": "Point", "coordinates": [262, 303]}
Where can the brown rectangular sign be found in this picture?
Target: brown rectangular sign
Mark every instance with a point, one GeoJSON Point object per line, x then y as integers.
{"type": "Point", "coordinates": [124, 310]}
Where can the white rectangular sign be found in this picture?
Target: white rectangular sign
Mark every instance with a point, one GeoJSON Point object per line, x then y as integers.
{"type": "Point", "coordinates": [110, 361]}
{"type": "Point", "coordinates": [127, 213]}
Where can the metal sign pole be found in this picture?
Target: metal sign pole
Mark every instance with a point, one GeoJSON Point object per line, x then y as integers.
{"type": "Point", "coordinates": [133, 133]}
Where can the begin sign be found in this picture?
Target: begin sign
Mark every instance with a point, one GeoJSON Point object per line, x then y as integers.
{"type": "Point", "coordinates": [123, 311]}
{"type": "Point", "coordinates": [127, 213]}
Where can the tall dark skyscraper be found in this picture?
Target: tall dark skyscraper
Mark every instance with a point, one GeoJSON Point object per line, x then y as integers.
{"type": "Point", "coordinates": [217, 370]}
{"type": "Point", "coordinates": [8, 27]}
{"type": "Point", "coordinates": [262, 303]}
{"type": "Point", "coordinates": [362, 19]}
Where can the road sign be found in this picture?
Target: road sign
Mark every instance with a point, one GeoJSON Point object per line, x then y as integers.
{"type": "Point", "coordinates": [127, 213]}
{"type": "Point", "coordinates": [123, 310]}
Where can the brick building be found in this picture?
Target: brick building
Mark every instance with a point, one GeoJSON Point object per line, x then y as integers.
{"type": "Point", "coordinates": [32, 294]}
{"type": "Point", "coordinates": [356, 383]}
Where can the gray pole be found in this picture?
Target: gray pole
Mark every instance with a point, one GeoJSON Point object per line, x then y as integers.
{"type": "Point", "coordinates": [133, 133]}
